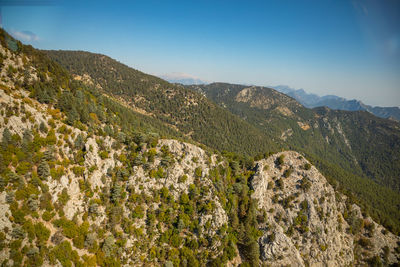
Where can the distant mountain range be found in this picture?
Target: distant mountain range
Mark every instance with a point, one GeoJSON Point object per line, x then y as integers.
{"type": "Point", "coordinates": [336, 102]}
{"type": "Point", "coordinates": [182, 78]}
{"type": "Point", "coordinates": [306, 99]}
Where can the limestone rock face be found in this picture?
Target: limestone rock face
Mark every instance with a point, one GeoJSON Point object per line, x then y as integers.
{"type": "Point", "coordinates": [281, 248]}
{"type": "Point", "coordinates": [190, 158]}
{"type": "Point", "coordinates": [305, 223]}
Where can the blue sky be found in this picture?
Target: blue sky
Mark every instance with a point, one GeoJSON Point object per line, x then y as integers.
{"type": "Point", "coordinates": [347, 48]}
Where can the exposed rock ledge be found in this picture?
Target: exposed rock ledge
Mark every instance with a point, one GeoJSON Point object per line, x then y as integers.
{"type": "Point", "coordinates": [305, 223]}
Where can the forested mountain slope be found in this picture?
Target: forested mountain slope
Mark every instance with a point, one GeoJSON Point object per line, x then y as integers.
{"type": "Point", "coordinates": [189, 112]}
{"type": "Point", "coordinates": [84, 181]}
{"type": "Point", "coordinates": [270, 121]}
{"type": "Point", "coordinates": [87, 181]}
{"type": "Point", "coordinates": [349, 147]}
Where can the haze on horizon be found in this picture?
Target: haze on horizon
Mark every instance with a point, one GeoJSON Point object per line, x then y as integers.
{"type": "Point", "coordinates": [345, 48]}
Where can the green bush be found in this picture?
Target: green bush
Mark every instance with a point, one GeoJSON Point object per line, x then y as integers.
{"type": "Point", "coordinates": [78, 171]}
{"type": "Point", "coordinates": [307, 166]}
{"type": "Point", "coordinates": [63, 197]}
{"type": "Point", "coordinates": [183, 178]}
{"type": "Point", "coordinates": [138, 212]}
{"type": "Point", "coordinates": [69, 228]}
{"type": "Point", "coordinates": [279, 183]}
{"type": "Point", "coordinates": [103, 154]}
{"type": "Point", "coordinates": [365, 242]}
{"type": "Point", "coordinates": [288, 172]}
{"type": "Point", "coordinates": [280, 160]}
{"type": "Point", "coordinates": [42, 233]}
{"type": "Point", "coordinates": [305, 184]}
{"type": "Point", "coordinates": [47, 215]}
{"type": "Point", "coordinates": [65, 254]}
{"type": "Point", "coordinates": [198, 172]}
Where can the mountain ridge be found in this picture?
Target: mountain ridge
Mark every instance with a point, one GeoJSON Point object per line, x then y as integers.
{"type": "Point", "coordinates": [85, 181]}
{"type": "Point", "coordinates": [171, 103]}
{"type": "Point", "coordinates": [336, 102]}
{"type": "Point", "coordinates": [339, 142]}
{"type": "Point", "coordinates": [263, 130]}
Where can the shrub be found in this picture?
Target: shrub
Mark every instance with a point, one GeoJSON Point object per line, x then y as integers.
{"type": "Point", "coordinates": [18, 233]}
{"type": "Point", "coordinates": [160, 173]}
{"type": "Point", "coordinates": [78, 171]}
{"type": "Point", "coordinates": [183, 178]}
{"type": "Point", "coordinates": [103, 154]}
{"type": "Point", "coordinates": [198, 172]}
{"type": "Point", "coordinates": [116, 192]}
{"type": "Point", "coordinates": [280, 159]}
{"type": "Point", "coordinates": [56, 173]}
{"type": "Point", "coordinates": [252, 253]}
{"type": "Point", "coordinates": [90, 240]}
{"type": "Point", "coordinates": [43, 127]}
{"type": "Point", "coordinates": [108, 245]}
{"type": "Point", "coordinates": [51, 138]}
{"type": "Point", "coordinates": [166, 160]}
{"type": "Point", "coordinates": [23, 167]}
{"type": "Point", "coordinates": [288, 172]}
{"type": "Point", "coordinates": [93, 208]}
{"type": "Point", "coordinates": [10, 197]}
{"type": "Point", "coordinates": [18, 215]}
{"type": "Point", "coordinates": [270, 185]}
{"type": "Point", "coordinates": [65, 254]}
{"type": "Point", "coordinates": [365, 242]}
{"type": "Point", "coordinates": [69, 228]}
{"type": "Point", "coordinates": [279, 183]}
{"type": "Point", "coordinates": [175, 240]}
{"type": "Point", "coordinates": [47, 215]}
{"type": "Point", "coordinates": [63, 197]}
{"type": "Point", "coordinates": [42, 233]}
{"type": "Point", "coordinates": [33, 202]}
{"type": "Point", "coordinates": [305, 184]}
{"type": "Point", "coordinates": [138, 212]}
{"type": "Point", "coordinates": [164, 192]}
{"type": "Point", "coordinates": [307, 166]}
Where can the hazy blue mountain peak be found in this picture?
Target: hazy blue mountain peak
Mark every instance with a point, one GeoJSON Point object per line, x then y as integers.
{"type": "Point", "coordinates": [336, 102]}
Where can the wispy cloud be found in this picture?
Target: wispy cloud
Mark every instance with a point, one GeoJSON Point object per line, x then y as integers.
{"type": "Point", "coordinates": [26, 36]}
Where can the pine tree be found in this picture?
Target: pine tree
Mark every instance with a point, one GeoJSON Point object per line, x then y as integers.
{"type": "Point", "coordinates": [7, 138]}
{"type": "Point", "coordinates": [43, 170]}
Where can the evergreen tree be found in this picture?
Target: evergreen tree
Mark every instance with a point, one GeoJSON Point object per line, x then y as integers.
{"type": "Point", "coordinates": [43, 170]}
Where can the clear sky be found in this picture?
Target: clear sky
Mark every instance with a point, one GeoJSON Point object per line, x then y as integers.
{"type": "Point", "coordinates": [347, 48]}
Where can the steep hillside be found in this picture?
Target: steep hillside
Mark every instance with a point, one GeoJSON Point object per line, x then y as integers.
{"type": "Point", "coordinates": [187, 111]}
{"type": "Point", "coordinates": [71, 196]}
{"type": "Point", "coordinates": [86, 181]}
{"type": "Point", "coordinates": [356, 149]}
{"type": "Point", "coordinates": [308, 223]}
{"type": "Point", "coordinates": [374, 142]}
{"type": "Point", "coordinates": [95, 190]}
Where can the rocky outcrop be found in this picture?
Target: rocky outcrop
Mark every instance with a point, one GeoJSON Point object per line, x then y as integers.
{"type": "Point", "coordinates": [305, 222]}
